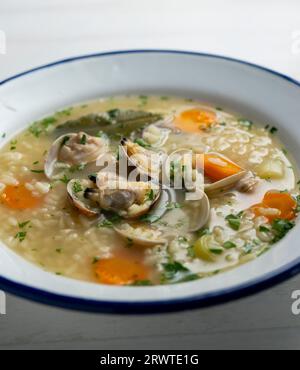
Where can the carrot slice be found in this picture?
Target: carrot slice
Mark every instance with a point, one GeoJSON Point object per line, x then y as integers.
{"type": "Point", "coordinates": [120, 271]}
{"type": "Point", "coordinates": [276, 205]}
{"type": "Point", "coordinates": [194, 120]}
{"type": "Point", "coordinates": [217, 167]}
{"type": "Point", "coordinates": [19, 197]}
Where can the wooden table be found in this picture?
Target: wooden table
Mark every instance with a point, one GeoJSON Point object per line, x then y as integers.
{"type": "Point", "coordinates": [266, 33]}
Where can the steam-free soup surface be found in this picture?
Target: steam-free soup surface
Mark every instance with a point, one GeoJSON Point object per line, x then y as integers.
{"type": "Point", "coordinates": [251, 205]}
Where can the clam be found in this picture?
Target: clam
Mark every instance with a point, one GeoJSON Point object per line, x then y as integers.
{"type": "Point", "coordinates": [248, 183]}
{"type": "Point", "coordinates": [83, 195]}
{"type": "Point", "coordinates": [143, 236]}
{"type": "Point", "coordinates": [200, 213]}
{"type": "Point", "coordinates": [225, 184]}
{"type": "Point", "coordinates": [158, 134]}
{"type": "Point", "coordinates": [147, 162]}
{"type": "Point", "coordinates": [74, 149]}
{"type": "Point", "coordinates": [129, 200]}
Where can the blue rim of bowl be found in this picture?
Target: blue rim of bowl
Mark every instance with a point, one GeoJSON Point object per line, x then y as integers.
{"type": "Point", "coordinates": [123, 307]}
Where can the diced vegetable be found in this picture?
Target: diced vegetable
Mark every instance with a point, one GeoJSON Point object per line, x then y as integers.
{"type": "Point", "coordinates": [207, 248]}
{"type": "Point", "coordinates": [276, 205]}
{"type": "Point", "coordinates": [217, 167]}
{"type": "Point", "coordinates": [234, 221]}
{"type": "Point", "coordinates": [271, 169]}
{"type": "Point", "coordinates": [19, 197]}
{"type": "Point", "coordinates": [120, 271]}
{"type": "Point", "coordinates": [195, 120]}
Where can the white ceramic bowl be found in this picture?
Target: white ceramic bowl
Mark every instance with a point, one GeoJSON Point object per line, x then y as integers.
{"type": "Point", "coordinates": [255, 92]}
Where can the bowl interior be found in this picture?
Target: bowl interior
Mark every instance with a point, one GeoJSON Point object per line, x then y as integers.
{"type": "Point", "coordinates": [253, 92]}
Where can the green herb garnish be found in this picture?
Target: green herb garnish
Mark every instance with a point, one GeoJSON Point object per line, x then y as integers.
{"type": "Point", "coordinates": [281, 227]}
{"type": "Point", "coordinates": [150, 195]}
{"type": "Point", "coordinates": [77, 187]}
{"type": "Point", "coordinates": [234, 221]}
{"type": "Point", "coordinates": [21, 235]}
{"type": "Point", "coordinates": [264, 229]}
{"type": "Point", "coordinates": [23, 224]}
{"type": "Point", "coordinates": [83, 140]}
{"type": "Point", "coordinates": [171, 269]}
{"type": "Point", "coordinates": [229, 245]}
{"type": "Point", "coordinates": [37, 171]}
{"type": "Point", "coordinates": [142, 142]}
{"type": "Point", "coordinates": [65, 179]}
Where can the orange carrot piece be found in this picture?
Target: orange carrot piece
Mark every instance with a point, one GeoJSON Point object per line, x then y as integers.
{"type": "Point", "coordinates": [217, 167]}
{"type": "Point", "coordinates": [120, 271]}
{"type": "Point", "coordinates": [195, 120]}
{"type": "Point", "coordinates": [284, 203]}
{"type": "Point", "coordinates": [19, 197]}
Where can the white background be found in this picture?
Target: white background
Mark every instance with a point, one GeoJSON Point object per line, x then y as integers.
{"type": "Point", "coordinates": [263, 32]}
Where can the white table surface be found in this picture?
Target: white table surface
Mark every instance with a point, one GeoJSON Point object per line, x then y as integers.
{"type": "Point", "coordinates": [263, 32]}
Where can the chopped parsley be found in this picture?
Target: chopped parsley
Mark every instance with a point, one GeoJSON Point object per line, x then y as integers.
{"type": "Point", "coordinates": [281, 227]}
{"type": "Point", "coordinates": [77, 187]}
{"type": "Point", "coordinates": [21, 235]}
{"type": "Point", "coordinates": [65, 140]}
{"type": "Point", "coordinates": [173, 268]}
{"type": "Point", "coordinates": [150, 196]}
{"type": "Point", "coordinates": [234, 221]}
{"type": "Point", "coordinates": [105, 223]}
{"type": "Point", "coordinates": [142, 142]}
{"type": "Point", "coordinates": [37, 128]}
{"type": "Point", "coordinates": [264, 229]}
{"type": "Point", "coordinates": [65, 179]}
{"type": "Point", "coordinates": [37, 171]}
{"type": "Point", "coordinates": [23, 224]}
{"type": "Point", "coordinates": [229, 245]}
{"type": "Point", "coordinates": [203, 232]}
{"type": "Point", "coordinates": [83, 139]}
{"type": "Point", "coordinates": [113, 113]}
{"type": "Point", "coordinates": [272, 130]}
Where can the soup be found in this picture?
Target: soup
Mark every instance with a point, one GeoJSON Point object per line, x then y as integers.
{"type": "Point", "coordinates": [145, 190]}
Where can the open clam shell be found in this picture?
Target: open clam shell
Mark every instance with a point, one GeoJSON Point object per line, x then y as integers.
{"type": "Point", "coordinates": [143, 236]}
{"type": "Point", "coordinates": [147, 162]}
{"type": "Point", "coordinates": [200, 213]}
{"type": "Point", "coordinates": [227, 183]}
{"type": "Point", "coordinates": [74, 149]}
{"type": "Point", "coordinates": [158, 134]}
{"type": "Point", "coordinates": [129, 200]}
{"type": "Point", "coordinates": [78, 191]}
